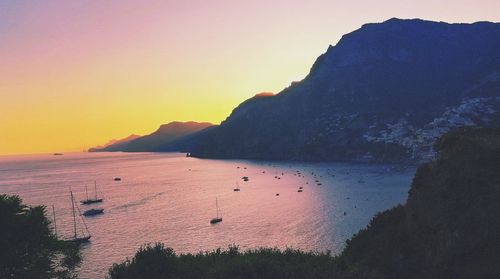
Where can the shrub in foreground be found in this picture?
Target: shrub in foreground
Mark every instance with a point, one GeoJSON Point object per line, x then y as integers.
{"type": "Point", "coordinates": [28, 248]}
{"type": "Point", "coordinates": [156, 261]}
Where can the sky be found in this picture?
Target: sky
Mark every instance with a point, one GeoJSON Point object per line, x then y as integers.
{"type": "Point", "coordinates": [75, 74]}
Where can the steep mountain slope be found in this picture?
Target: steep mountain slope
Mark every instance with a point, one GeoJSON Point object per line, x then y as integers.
{"type": "Point", "coordinates": [450, 224]}
{"type": "Point", "coordinates": [385, 92]}
{"type": "Point", "coordinates": [166, 134]}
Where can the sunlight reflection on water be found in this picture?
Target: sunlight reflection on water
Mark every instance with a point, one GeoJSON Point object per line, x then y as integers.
{"type": "Point", "coordinates": [170, 198]}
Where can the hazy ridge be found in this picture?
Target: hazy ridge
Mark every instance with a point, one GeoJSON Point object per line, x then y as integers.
{"type": "Point", "coordinates": [166, 134]}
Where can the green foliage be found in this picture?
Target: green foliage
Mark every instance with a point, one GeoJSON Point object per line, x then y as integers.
{"type": "Point", "coordinates": [28, 247]}
{"type": "Point", "coordinates": [156, 261]}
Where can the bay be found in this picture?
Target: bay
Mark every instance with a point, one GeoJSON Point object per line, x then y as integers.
{"type": "Point", "coordinates": [169, 197]}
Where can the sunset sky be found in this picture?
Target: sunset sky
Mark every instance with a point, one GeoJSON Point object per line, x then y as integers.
{"type": "Point", "coordinates": [74, 74]}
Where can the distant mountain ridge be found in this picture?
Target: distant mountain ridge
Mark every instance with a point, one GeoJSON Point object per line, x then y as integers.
{"type": "Point", "coordinates": [164, 135]}
{"type": "Point", "coordinates": [384, 93]}
{"type": "Point", "coordinates": [115, 143]}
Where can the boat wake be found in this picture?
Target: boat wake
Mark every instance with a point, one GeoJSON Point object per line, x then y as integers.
{"type": "Point", "coordinates": [139, 202]}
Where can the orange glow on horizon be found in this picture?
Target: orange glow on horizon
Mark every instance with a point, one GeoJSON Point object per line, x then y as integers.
{"type": "Point", "coordinates": [76, 74]}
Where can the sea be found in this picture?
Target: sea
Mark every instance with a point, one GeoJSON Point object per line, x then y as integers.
{"type": "Point", "coordinates": [171, 198]}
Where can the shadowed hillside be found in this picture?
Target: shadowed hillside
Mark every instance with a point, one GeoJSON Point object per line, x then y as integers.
{"type": "Point", "coordinates": [384, 93]}
{"type": "Point", "coordinates": [450, 224]}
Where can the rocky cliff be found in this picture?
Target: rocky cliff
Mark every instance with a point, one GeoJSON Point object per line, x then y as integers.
{"type": "Point", "coordinates": [385, 92]}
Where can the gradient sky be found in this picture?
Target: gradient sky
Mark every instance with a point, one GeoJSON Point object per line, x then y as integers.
{"type": "Point", "coordinates": [74, 74]}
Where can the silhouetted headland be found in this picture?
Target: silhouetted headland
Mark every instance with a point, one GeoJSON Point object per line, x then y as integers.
{"type": "Point", "coordinates": [166, 135]}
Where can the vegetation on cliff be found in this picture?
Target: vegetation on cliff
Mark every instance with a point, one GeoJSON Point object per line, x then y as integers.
{"type": "Point", "coordinates": [450, 224]}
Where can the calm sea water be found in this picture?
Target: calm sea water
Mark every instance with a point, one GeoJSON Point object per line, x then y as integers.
{"type": "Point", "coordinates": [170, 198]}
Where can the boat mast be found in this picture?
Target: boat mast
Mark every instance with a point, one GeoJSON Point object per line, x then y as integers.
{"type": "Point", "coordinates": [217, 206]}
{"type": "Point", "coordinates": [74, 217]}
{"type": "Point", "coordinates": [55, 225]}
{"type": "Point", "coordinates": [85, 225]}
{"type": "Point", "coordinates": [86, 192]}
{"type": "Point", "coordinates": [83, 221]}
{"type": "Point", "coordinates": [95, 189]}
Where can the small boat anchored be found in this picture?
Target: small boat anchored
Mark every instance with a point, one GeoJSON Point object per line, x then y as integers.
{"type": "Point", "coordinates": [216, 219]}
{"type": "Point", "coordinates": [93, 211]}
{"type": "Point", "coordinates": [237, 189]}
{"type": "Point", "coordinates": [89, 200]}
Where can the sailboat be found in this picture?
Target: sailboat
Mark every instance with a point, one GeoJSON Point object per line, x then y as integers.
{"type": "Point", "coordinates": [216, 219]}
{"type": "Point", "coordinates": [76, 238]}
{"type": "Point", "coordinates": [237, 189]}
{"type": "Point", "coordinates": [95, 199]}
